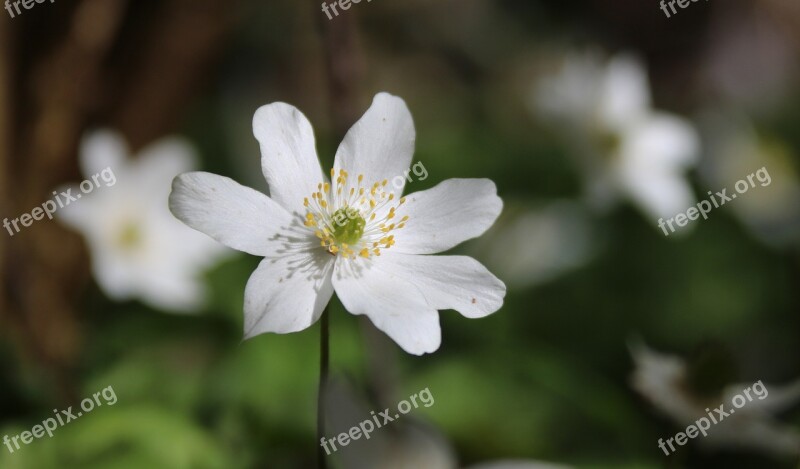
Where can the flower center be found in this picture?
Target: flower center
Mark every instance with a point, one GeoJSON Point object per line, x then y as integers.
{"type": "Point", "coordinates": [129, 236]}
{"type": "Point", "coordinates": [609, 142]}
{"type": "Point", "coordinates": [352, 219]}
{"type": "Point", "coordinates": [348, 225]}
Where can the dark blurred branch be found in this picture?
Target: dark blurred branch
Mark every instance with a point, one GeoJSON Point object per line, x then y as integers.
{"type": "Point", "coordinates": [42, 266]}
{"type": "Point", "coordinates": [345, 66]}
{"type": "Point", "coordinates": [174, 55]}
{"type": "Point", "coordinates": [62, 82]}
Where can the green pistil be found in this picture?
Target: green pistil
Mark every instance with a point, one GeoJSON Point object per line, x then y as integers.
{"type": "Point", "coordinates": [348, 225]}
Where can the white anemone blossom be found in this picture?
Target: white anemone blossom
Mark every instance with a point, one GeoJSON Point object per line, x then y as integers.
{"type": "Point", "coordinates": [626, 148]}
{"type": "Point", "coordinates": [533, 246]}
{"type": "Point", "coordinates": [662, 380]}
{"type": "Point", "coordinates": [138, 250]}
{"type": "Point", "coordinates": [354, 233]}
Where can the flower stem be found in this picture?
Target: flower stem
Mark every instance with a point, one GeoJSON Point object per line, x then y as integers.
{"type": "Point", "coordinates": [324, 361]}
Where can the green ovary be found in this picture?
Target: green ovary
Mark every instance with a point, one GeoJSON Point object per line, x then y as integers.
{"type": "Point", "coordinates": [348, 225]}
{"type": "Point", "coordinates": [130, 236]}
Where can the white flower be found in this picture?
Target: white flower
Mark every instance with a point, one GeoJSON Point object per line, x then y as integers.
{"type": "Point", "coordinates": [662, 380]}
{"type": "Point", "coordinates": [627, 148]}
{"type": "Point", "coordinates": [771, 209]}
{"type": "Point", "coordinates": [137, 247]}
{"type": "Point", "coordinates": [529, 247]}
{"type": "Point", "coordinates": [354, 235]}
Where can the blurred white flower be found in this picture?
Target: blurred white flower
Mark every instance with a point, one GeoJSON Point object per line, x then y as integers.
{"type": "Point", "coordinates": [735, 151]}
{"type": "Point", "coordinates": [354, 234]}
{"type": "Point", "coordinates": [138, 249]}
{"type": "Point", "coordinates": [407, 444]}
{"type": "Point", "coordinates": [663, 381]}
{"type": "Point", "coordinates": [625, 147]}
{"type": "Point", "coordinates": [528, 247]}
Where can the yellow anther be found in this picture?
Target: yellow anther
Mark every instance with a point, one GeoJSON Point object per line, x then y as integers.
{"type": "Point", "coordinates": [320, 218]}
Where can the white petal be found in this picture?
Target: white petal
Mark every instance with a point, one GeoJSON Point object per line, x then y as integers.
{"type": "Point", "coordinates": [770, 398]}
{"type": "Point", "coordinates": [78, 216]}
{"type": "Point", "coordinates": [288, 157]}
{"type": "Point", "coordinates": [662, 140]}
{"type": "Point", "coordinates": [116, 277]}
{"type": "Point", "coordinates": [654, 158]}
{"type": "Point", "coordinates": [444, 216]}
{"type": "Point", "coordinates": [393, 304]}
{"type": "Point", "coordinates": [234, 215]}
{"type": "Point", "coordinates": [449, 282]}
{"type": "Point", "coordinates": [535, 246]}
{"type": "Point", "coordinates": [158, 163]}
{"type": "Point", "coordinates": [381, 144]}
{"type": "Point", "coordinates": [102, 149]}
{"type": "Point", "coordinates": [626, 92]}
{"type": "Point", "coordinates": [572, 93]}
{"type": "Point", "coordinates": [171, 289]}
{"type": "Point", "coordinates": [658, 378]}
{"type": "Point", "coordinates": [288, 293]}
{"type": "Point", "coordinates": [661, 195]}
